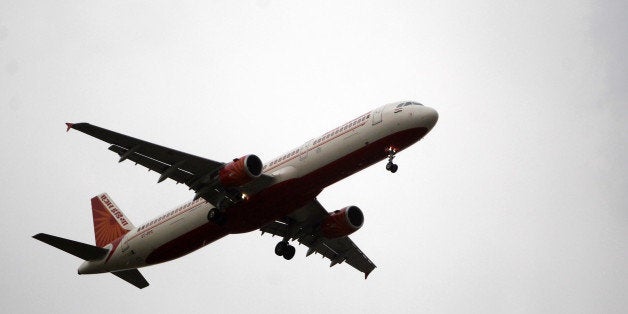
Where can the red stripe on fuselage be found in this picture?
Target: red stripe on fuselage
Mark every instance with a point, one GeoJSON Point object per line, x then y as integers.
{"type": "Point", "coordinates": [317, 145]}
{"type": "Point", "coordinates": [165, 218]}
{"type": "Point", "coordinates": [114, 246]}
{"type": "Point", "coordinates": [281, 199]}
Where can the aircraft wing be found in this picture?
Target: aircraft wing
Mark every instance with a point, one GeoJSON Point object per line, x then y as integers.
{"type": "Point", "coordinates": [302, 226]}
{"type": "Point", "coordinates": [181, 167]}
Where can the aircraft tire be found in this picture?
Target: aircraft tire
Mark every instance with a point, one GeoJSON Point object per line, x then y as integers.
{"type": "Point", "coordinates": [289, 252]}
{"type": "Point", "coordinates": [212, 214]}
{"type": "Point", "coordinates": [280, 248]}
{"type": "Point", "coordinates": [216, 216]}
{"type": "Point", "coordinates": [394, 168]}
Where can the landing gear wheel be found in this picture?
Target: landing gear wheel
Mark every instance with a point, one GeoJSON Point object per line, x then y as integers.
{"type": "Point", "coordinates": [217, 216]}
{"type": "Point", "coordinates": [289, 252]}
{"type": "Point", "coordinates": [280, 248]}
{"type": "Point", "coordinates": [391, 155]}
{"type": "Point", "coordinates": [394, 168]}
{"type": "Point", "coordinates": [213, 213]}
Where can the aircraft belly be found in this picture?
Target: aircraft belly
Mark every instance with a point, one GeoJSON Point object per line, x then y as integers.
{"type": "Point", "coordinates": [186, 243]}
{"type": "Point", "coordinates": [135, 251]}
{"type": "Point", "coordinates": [184, 236]}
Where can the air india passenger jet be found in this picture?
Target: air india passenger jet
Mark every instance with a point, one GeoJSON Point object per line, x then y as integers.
{"type": "Point", "coordinates": [244, 195]}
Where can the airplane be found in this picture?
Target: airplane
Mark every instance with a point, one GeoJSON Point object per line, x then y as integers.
{"type": "Point", "coordinates": [244, 195]}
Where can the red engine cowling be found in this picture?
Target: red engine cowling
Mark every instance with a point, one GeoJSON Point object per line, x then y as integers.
{"type": "Point", "coordinates": [342, 222]}
{"type": "Point", "coordinates": [240, 171]}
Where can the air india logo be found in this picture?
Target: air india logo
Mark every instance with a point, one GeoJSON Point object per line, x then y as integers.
{"type": "Point", "coordinates": [115, 212]}
{"type": "Point", "coordinates": [108, 221]}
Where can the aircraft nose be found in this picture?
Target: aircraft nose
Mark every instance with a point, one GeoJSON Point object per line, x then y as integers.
{"type": "Point", "coordinates": [429, 117]}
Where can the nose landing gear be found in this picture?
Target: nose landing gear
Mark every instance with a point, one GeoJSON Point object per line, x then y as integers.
{"type": "Point", "coordinates": [390, 166]}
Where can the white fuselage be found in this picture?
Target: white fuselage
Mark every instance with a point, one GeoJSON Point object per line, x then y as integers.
{"type": "Point", "coordinates": [133, 250]}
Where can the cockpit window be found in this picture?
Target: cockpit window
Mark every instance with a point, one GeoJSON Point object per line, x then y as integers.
{"type": "Point", "coordinates": [409, 103]}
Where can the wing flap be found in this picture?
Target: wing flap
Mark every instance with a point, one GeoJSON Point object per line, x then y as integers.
{"type": "Point", "coordinates": [177, 174]}
{"type": "Point", "coordinates": [301, 227]}
{"type": "Point", "coordinates": [193, 171]}
{"type": "Point", "coordinates": [348, 252]}
{"type": "Point", "coordinates": [193, 164]}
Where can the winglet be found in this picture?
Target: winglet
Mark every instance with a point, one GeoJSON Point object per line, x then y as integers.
{"type": "Point", "coordinates": [69, 125]}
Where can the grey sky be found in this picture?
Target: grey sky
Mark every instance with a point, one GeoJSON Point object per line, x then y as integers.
{"type": "Point", "coordinates": [515, 202]}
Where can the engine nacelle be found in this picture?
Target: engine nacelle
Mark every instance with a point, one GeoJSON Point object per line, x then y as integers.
{"type": "Point", "coordinates": [240, 171]}
{"type": "Point", "coordinates": [342, 222]}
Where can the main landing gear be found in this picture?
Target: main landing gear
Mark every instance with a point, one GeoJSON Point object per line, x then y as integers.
{"type": "Point", "coordinates": [217, 216]}
{"type": "Point", "coordinates": [284, 249]}
{"type": "Point", "coordinates": [390, 166]}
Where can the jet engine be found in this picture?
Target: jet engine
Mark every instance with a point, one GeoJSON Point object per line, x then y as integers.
{"type": "Point", "coordinates": [342, 222]}
{"type": "Point", "coordinates": [240, 171]}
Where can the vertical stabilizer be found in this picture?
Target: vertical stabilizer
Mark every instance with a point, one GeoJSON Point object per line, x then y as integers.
{"type": "Point", "coordinates": [109, 221]}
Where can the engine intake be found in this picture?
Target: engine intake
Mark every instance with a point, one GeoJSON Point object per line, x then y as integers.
{"type": "Point", "coordinates": [240, 171]}
{"type": "Point", "coordinates": [342, 222]}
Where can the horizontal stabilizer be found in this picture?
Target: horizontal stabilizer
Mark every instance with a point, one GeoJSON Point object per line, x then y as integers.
{"type": "Point", "coordinates": [132, 276]}
{"type": "Point", "coordinates": [81, 250]}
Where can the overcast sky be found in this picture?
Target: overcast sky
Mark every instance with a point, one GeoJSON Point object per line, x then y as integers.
{"type": "Point", "coordinates": [515, 203]}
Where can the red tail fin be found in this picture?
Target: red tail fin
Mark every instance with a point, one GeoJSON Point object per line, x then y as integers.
{"type": "Point", "coordinates": [109, 221]}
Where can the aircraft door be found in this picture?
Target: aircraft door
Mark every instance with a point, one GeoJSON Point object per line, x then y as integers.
{"type": "Point", "coordinates": [377, 115]}
{"type": "Point", "coordinates": [303, 151]}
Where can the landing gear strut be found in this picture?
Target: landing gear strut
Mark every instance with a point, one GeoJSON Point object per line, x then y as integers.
{"type": "Point", "coordinates": [390, 166]}
{"type": "Point", "coordinates": [284, 249]}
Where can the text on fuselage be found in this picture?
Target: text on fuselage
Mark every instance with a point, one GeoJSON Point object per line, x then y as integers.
{"type": "Point", "coordinates": [115, 212]}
